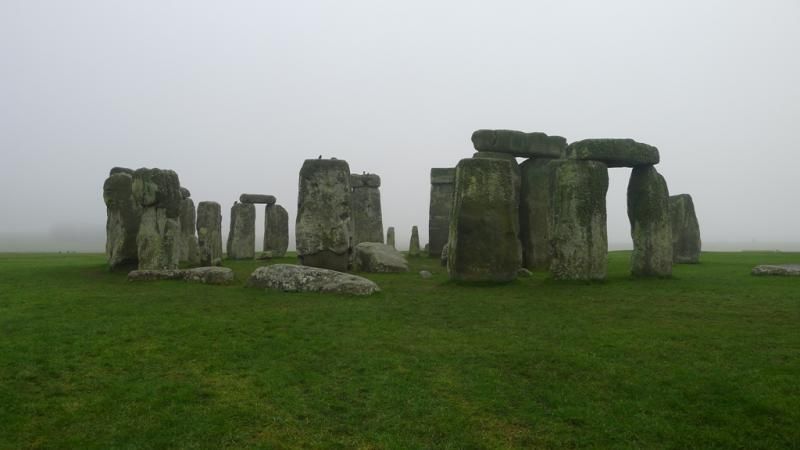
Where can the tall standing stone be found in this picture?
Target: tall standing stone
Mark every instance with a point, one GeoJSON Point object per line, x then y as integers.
{"type": "Point", "coordinates": [323, 227]}
{"type": "Point", "coordinates": [366, 204]}
{"type": "Point", "coordinates": [516, 176]}
{"type": "Point", "coordinates": [159, 238]}
{"type": "Point", "coordinates": [579, 240]}
{"type": "Point", "coordinates": [276, 230]}
{"type": "Point", "coordinates": [413, 244]}
{"type": "Point", "coordinates": [209, 233]}
{"type": "Point", "coordinates": [390, 237]}
{"type": "Point", "coordinates": [535, 212]}
{"type": "Point", "coordinates": [685, 230]}
{"type": "Point", "coordinates": [189, 251]}
{"type": "Point", "coordinates": [123, 217]}
{"type": "Point", "coordinates": [648, 211]}
{"type": "Point", "coordinates": [441, 204]}
{"type": "Point", "coordinates": [242, 234]}
{"type": "Point", "coordinates": [483, 243]}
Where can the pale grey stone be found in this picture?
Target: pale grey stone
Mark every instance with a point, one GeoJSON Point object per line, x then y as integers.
{"type": "Point", "coordinates": [158, 241]}
{"type": "Point", "coordinates": [257, 198]}
{"type": "Point", "coordinates": [294, 278]}
{"type": "Point", "coordinates": [124, 215]}
{"type": "Point", "coordinates": [205, 275]}
{"type": "Point", "coordinates": [390, 237]}
{"type": "Point", "coordinates": [366, 207]}
{"type": "Point", "coordinates": [276, 231]}
{"type": "Point", "coordinates": [443, 256]}
{"type": "Point", "coordinates": [242, 234]}
{"type": "Point", "coordinates": [413, 244]}
{"type": "Point", "coordinates": [377, 257]}
{"type": "Point", "coordinates": [425, 274]}
{"type": "Point", "coordinates": [209, 233]}
{"type": "Point", "coordinates": [785, 270]}
{"type": "Point", "coordinates": [686, 243]}
{"type": "Point", "coordinates": [648, 211]}
{"type": "Point", "coordinates": [441, 204]}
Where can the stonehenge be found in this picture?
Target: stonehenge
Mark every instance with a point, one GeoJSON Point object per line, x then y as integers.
{"type": "Point", "coordinates": [441, 204]}
{"type": "Point", "coordinates": [123, 218]}
{"type": "Point", "coordinates": [242, 234]}
{"type": "Point", "coordinates": [366, 205]}
{"type": "Point", "coordinates": [413, 244]}
{"type": "Point", "coordinates": [390, 237]}
{"type": "Point", "coordinates": [209, 233]}
{"type": "Point", "coordinates": [323, 226]}
{"type": "Point", "coordinates": [158, 241]}
{"type": "Point", "coordinates": [685, 230]}
{"type": "Point", "coordinates": [276, 231]}
{"type": "Point", "coordinates": [648, 211]}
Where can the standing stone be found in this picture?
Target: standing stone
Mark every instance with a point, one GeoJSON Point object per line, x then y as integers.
{"type": "Point", "coordinates": [123, 217]}
{"type": "Point", "coordinates": [366, 204]}
{"type": "Point", "coordinates": [685, 230]}
{"type": "Point", "coordinates": [257, 198]}
{"type": "Point", "coordinates": [516, 176]}
{"type": "Point", "coordinates": [276, 231]}
{"type": "Point", "coordinates": [413, 245]}
{"type": "Point", "coordinates": [390, 237]}
{"type": "Point", "coordinates": [483, 243]}
{"type": "Point", "coordinates": [442, 189]}
{"type": "Point", "coordinates": [323, 228]}
{"type": "Point", "coordinates": [159, 239]}
{"type": "Point", "coordinates": [189, 251]}
{"type": "Point", "coordinates": [209, 233]}
{"type": "Point", "coordinates": [242, 234]}
{"type": "Point", "coordinates": [648, 211]}
{"type": "Point", "coordinates": [535, 212]}
{"type": "Point", "coordinates": [579, 240]}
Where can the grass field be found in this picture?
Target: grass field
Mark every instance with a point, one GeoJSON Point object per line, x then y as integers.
{"type": "Point", "coordinates": [709, 359]}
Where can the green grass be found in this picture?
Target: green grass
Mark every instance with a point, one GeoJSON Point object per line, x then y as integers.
{"type": "Point", "coordinates": [709, 359]}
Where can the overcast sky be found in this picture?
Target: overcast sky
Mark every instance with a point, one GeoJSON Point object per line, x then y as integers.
{"type": "Point", "coordinates": [234, 95]}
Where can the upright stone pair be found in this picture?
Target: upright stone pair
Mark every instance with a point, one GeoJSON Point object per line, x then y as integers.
{"type": "Point", "coordinates": [366, 205]}
{"type": "Point", "coordinates": [242, 235]}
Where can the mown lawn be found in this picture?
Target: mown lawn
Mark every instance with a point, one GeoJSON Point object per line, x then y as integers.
{"type": "Point", "coordinates": [709, 359]}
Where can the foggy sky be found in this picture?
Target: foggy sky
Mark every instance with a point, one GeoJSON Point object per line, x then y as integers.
{"type": "Point", "coordinates": [235, 95]}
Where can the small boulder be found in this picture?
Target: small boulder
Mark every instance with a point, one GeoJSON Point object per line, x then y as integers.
{"type": "Point", "coordinates": [377, 257]}
{"type": "Point", "coordinates": [425, 274]}
{"type": "Point", "coordinates": [294, 278]}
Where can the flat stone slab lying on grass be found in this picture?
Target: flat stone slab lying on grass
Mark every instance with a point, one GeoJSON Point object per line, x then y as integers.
{"type": "Point", "coordinates": [205, 275]}
{"type": "Point", "coordinates": [377, 257]}
{"type": "Point", "coordinates": [786, 270]}
{"type": "Point", "coordinates": [613, 152]}
{"type": "Point", "coordinates": [294, 278]}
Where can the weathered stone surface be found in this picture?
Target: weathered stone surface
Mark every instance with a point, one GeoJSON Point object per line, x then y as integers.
{"type": "Point", "coordinates": [242, 234]}
{"type": "Point", "coordinates": [323, 227]}
{"type": "Point", "coordinates": [205, 275]}
{"type": "Point", "coordinates": [209, 233]}
{"type": "Point", "coordinates": [390, 237]}
{"type": "Point", "coordinates": [377, 257]}
{"type": "Point", "coordinates": [483, 243]}
{"type": "Point", "coordinates": [443, 257]}
{"type": "Point", "coordinates": [257, 198]}
{"type": "Point", "coordinates": [366, 205]}
{"type": "Point", "coordinates": [425, 275]}
{"type": "Point", "coordinates": [189, 251]}
{"type": "Point", "coordinates": [685, 230]}
{"type": "Point", "coordinates": [413, 244]}
{"type": "Point", "coordinates": [516, 175]}
{"type": "Point", "coordinates": [519, 143]}
{"type": "Point", "coordinates": [158, 241]}
{"type": "Point", "coordinates": [648, 211]}
{"type": "Point", "coordinates": [276, 231]}
{"type": "Point", "coordinates": [535, 212]}
{"type": "Point", "coordinates": [116, 170]}
{"type": "Point", "coordinates": [441, 204]}
{"type": "Point", "coordinates": [185, 193]}
{"type": "Point", "coordinates": [122, 223]}
{"type": "Point", "coordinates": [613, 152]}
{"type": "Point", "coordinates": [579, 240]}
{"type": "Point", "coordinates": [293, 278]}
{"type": "Point", "coordinates": [784, 270]}
{"type": "Point", "coordinates": [524, 273]}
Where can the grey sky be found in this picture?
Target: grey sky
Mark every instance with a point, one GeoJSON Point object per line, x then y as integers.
{"type": "Point", "coordinates": [234, 95]}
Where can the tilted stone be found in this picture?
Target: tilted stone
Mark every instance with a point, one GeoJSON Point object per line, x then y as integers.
{"type": "Point", "coordinates": [535, 211]}
{"type": "Point", "coordinates": [519, 143]}
{"type": "Point", "coordinates": [122, 223]}
{"type": "Point", "coordinates": [323, 227]}
{"type": "Point", "coordinates": [377, 257]}
{"type": "Point", "coordinates": [242, 233]}
{"type": "Point", "coordinates": [366, 206]}
{"type": "Point", "coordinates": [441, 204]}
{"type": "Point", "coordinates": [158, 242]}
{"type": "Point", "coordinates": [390, 237]}
{"type": "Point", "coordinates": [579, 239]}
{"type": "Point", "coordinates": [613, 152]}
{"type": "Point", "coordinates": [685, 230]}
{"type": "Point", "coordinates": [276, 231]}
{"type": "Point", "coordinates": [293, 278]}
{"type": "Point", "coordinates": [365, 180]}
{"type": "Point", "coordinates": [189, 252]}
{"type": "Point", "coordinates": [257, 198]}
{"type": "Point", "coordinates": [648, 211]}
{"type": "Point", "coordinates": [483, 242]}
{"type": "Point", "coordinates": [413, 244]}
{"type": "Point", "coordinates": [209, 233]}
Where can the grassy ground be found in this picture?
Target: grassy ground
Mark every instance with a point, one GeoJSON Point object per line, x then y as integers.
{"type": "Point", "coordinates": [709, 359]}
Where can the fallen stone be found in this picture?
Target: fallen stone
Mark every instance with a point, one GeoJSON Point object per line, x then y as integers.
{"type": "Point", "coordinates": [377, 257]}
{"type": "Point", "coordinates": [124, 215]}
{"type": "Point", "coordinates": [205, 275]}
{"type": "Point", "coordinates": [276, 231]}
{"type": "Point", "coordinates": [613, 152]}
{"type": "Point", "coordinates": [519, 143]}
{"type": "Point", "coordinates": [294, 278]}
{"type": "Point", "coordinates": [425, 274]}
{"type": "Point", "coordinates": [685, 230]}
{"type": "Point", "coordinates": [535, 212]}
{"type": "Point", "coordinates": [209, 233]}
{"type": "Point", "coordinates": [257, 198]}
{"type": "Point", "coordinates": [413, 245]}
{"type": "Point", "coordinates": [242, 234]}
{"type": "Point", "coordinates": [648, 211]}
{"type": "Point", "coordinates": [784, 270]}
{"type": "Point", "coordinates": [441, 204]}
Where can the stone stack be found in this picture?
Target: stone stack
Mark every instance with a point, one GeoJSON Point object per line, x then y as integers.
{"type": "Point", "coordinates": [413, 244]}
{"type": "Point", "coordinates": [242, 234]}
{"type": "Point", "coordinates": [158, 241]}
{"type": "Point", "coordinates": [441, 204]}
{"type": "Point", "coordinates": [188, 251]}
{"type": "Point", "coordinates": [276, 231]}
{"type": "Point", "coordinates": [685, 230]}
{"type": "Point", "coordinates": [123, 217]}
{"type": "Point", "coordinates": [390, 237]}
{"type": "Point", "coordinates": [366, 204]}
{"type": "Point", "coordinates": [323, 228]}
{"type": "Point", "coordinates": [209, 233]}
{"type": "Point", "coordinates": [648, 211]}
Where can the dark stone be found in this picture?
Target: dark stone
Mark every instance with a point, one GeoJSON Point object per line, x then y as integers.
{"type": "Point", "coordinates": [519, 143]}
{"type": "Point", "coordinates": [686, 243]}
{"type": "Point", "coordinates": [648, 211]}
{"type": "Point", "coordinates": [613, 152]}
{"type": "Point", "coordinates": [276, 231]}
{"type": "Point", "coordinates": [209, 233]}
{"type": "Point", "coordinates": [535, 211]}
{"type": "Point", "coordinates": [441, 204]}
{"type": "Point", "coordinates": [257, 198]}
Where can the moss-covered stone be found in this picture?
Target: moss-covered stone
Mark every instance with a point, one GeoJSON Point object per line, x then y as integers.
{"type": "Point", "coordinates": [483, 240]}
{"type": "Point", "coordinates": [158, 193]}
{"type": "Point", "coordinates": [158, 188]}
{"type": "Point", "coordinates": [242, 233]}
{"type": "Point", "coordinates": [535, 212]}
{"type": "Point", "coordinates": [613, 152]}
{"type": "Point", "coordinates": [440, 207]}
{"type": "Point", "coordinates": [579, 240]}
{"type": "Point", "coordinates": [519, 143]}
{"type": "Point", "coordinates": [390, 237]}
{"type": "Point", "coordinates": [209, 233]}
{"type": "Point", "coordinates": [276, 230]}
{"type": "Point", "coordinates": [123, 217]}
{"type": "Point", "coordinates": [685, 230]}
{"type": "Point", "coordinates": [648, 211]}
